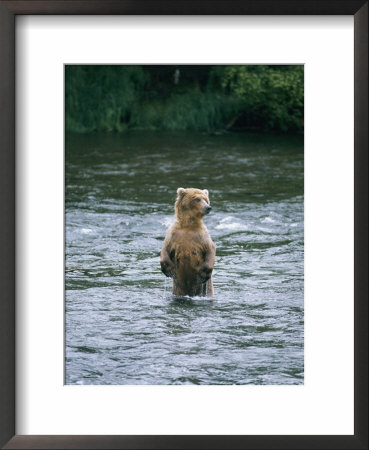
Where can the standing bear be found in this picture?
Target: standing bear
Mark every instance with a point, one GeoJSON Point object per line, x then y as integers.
{"type": "Point", "coordinates": [188, 253]}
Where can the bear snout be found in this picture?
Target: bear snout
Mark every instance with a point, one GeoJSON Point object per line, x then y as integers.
{"type": "Point", "coordinates": [207, 209]}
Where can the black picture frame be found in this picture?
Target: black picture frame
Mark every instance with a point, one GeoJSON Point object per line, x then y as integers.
{"type": "Point", "coordinates": [8, 12]}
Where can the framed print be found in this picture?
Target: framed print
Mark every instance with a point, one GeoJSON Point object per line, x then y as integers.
{"type": "Point", "coordinates": [96, 350]}
{"type": "Point", "coordinates": [191, 349]}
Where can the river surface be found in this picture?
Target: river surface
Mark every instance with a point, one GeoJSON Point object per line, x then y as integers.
{"type": "Point", "coordinates": [122, 324]}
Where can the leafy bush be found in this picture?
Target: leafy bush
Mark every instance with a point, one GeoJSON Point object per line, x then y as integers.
{"type": "Point", "coordinates": [191, 111]}
{"type": "Point", "coordinates": [271, 97]}
{"type": "Point", "coordinates": [99, 98]}
{"type": "Point", "coordinates": [203, 98]}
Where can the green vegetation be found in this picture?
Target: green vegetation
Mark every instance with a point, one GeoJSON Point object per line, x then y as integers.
{"type": "Point", "coordinates": [200, 98]}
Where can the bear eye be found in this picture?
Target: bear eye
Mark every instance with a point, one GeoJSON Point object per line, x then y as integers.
{"type": "Point", "coordinates": [198, 199]}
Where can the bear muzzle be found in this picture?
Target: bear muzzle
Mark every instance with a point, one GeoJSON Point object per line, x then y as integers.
{"type": "Point", "coordinates": [207, 209]}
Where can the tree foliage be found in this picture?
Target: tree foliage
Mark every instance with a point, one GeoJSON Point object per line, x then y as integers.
{"type": "Point", "coordinates": [271, 97]}
{"type": "Point", "coordinates": [100, 98]}
{"type": "Point", "coordinates": [203, 98]}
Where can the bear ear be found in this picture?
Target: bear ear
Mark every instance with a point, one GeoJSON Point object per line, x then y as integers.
{"type": "Point", "coordinates": [181, 192]}
{"type": "Point", "coordinates": [205, 191]}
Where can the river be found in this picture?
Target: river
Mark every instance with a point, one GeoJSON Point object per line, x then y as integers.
{"type": "Point", "coordinates": [122, 324]}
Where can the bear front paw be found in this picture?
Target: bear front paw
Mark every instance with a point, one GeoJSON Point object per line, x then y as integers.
{"type": "Point", "coordinates": [168, 269]}
{"type": "Point", "coordinates": [205, 273]}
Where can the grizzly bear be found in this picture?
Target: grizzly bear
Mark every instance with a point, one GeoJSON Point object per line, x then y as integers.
{"type": "Point", "coordinates": [188, 253]}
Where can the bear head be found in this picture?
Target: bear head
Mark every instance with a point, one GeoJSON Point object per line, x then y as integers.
{"type": "Point", "coordinates": [192, 204]}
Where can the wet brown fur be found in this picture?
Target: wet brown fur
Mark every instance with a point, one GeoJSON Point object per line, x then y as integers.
{"type": "Point", "coordinates": [188, 253]}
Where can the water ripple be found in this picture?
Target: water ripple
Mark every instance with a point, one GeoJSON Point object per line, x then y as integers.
{"type": "Point", "coordinates": [123, 326]}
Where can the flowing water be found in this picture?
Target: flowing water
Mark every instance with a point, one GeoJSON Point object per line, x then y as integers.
{"type": "Point", "coordinates": [122, 324]}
